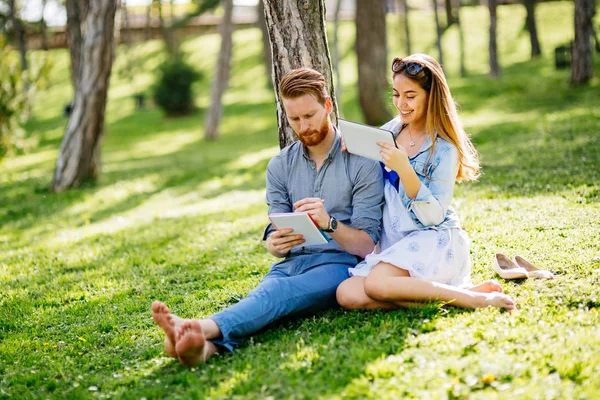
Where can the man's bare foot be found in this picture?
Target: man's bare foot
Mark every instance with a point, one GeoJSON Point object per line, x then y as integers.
{"type": "Point", "coordinates": [192, 347]}
{"type": "Point", "coordinates": [488, 286]}
{"type": "Point", "coordinates": [500, 300]}
{"type": "Point", "coordinates": [169, 323]}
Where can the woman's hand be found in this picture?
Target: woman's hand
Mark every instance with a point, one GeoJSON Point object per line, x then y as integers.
{"type": "Point", "coordinates": [394, 158]}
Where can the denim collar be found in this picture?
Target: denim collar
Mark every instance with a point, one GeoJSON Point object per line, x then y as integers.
{"type": "Point", "coordinates": [424, 147]}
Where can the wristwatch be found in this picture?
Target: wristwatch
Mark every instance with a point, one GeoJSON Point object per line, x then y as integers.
{"type": "Point", "coordinates": [333, 225]}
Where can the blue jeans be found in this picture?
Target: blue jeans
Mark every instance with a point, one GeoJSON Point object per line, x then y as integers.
{"type": "Point", "coordinates": [303, 283]}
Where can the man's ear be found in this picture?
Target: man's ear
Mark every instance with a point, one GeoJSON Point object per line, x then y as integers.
{"type": "Point", "coordinates": [328, 105]}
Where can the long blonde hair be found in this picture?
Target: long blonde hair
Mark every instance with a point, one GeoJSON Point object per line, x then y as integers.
{"type": "Point", "coordinates": [442, 116]}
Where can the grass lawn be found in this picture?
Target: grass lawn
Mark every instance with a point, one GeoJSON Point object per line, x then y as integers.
{"type": "Point", "coordinates": [179, 219]}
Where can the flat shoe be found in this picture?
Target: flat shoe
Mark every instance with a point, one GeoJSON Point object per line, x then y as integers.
{"type": "Point", "coordinates": [507, 268]}
{"type": "Point", "coordinates": [532, 270]}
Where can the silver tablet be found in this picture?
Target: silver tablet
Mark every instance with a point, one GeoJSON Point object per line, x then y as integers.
{"type": "Point", "coordinates": [362, 139]}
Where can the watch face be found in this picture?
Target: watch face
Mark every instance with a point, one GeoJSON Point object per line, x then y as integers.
{"type": "Point", "coordinates": [333, 224]}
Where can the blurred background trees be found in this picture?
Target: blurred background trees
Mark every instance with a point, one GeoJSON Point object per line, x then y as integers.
{"type": "Point", "coordinates": [291, 36]}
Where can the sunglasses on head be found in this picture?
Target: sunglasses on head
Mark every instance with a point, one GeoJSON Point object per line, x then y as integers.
{"type": "Point", "coordinates": [411, 68]}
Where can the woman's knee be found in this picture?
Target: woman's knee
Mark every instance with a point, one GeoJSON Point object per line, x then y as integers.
{"type": "Point", "coordinates": [350, 294]}
{"type": "Point", "coordinates": [376, 289]}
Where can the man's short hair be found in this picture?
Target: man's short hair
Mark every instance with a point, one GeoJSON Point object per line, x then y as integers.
{"type": "Point", "coordinates": [301, 81]}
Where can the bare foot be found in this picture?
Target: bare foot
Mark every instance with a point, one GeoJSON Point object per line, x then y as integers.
{"type": "Point", "coordinates": [500, 300]}
{"type": "Point", "coordinates": [169, 323]}
{"type": "Point", "coordinates": [488, 286]}
{"type": "Point", "coordinates": [191, 344]}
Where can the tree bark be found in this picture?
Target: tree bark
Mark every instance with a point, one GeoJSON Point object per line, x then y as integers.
{"type": "Point", "coordinates": [582, 67]}
{"type": "Point", "coordinates": [298, 39]}
{"type": "Point", "coordinates": [438, 31]}
{"type": "Point", "coordinates": [262, 24]}
{"type": "Point", "coordinates": [336, 55]}
{"type": "Point", "coordinates": [494, 64]}
{"type": "Point", "coordinates": [76, 14]}
{"type": "Point", "coordinates": [532, 28]}
{"type": "Point", "coordinates": [221, 81]}
{"type": "Point", "coordinates": [450, 14]}
{"type": "Point", "coordinates": [371, 54]}
{"type": "Point", "coordinates": [402, 5]}
{"type": "Point", "coordinates": [461, 38]}
{"type": "Point", "coordinates": [79, 158]}
{"type": "Point", "coordinates": [43, 27]}
{"type": "Point", "coordinates": [19, 33]}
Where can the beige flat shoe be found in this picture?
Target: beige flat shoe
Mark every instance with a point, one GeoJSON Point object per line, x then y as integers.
{"type": "Point", "coordinates": [532, 270]}
{"type": "Point", "coordinates": [507, 268]}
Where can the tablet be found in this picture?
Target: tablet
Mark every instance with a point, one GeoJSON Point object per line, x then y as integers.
{"type": "Point", "coordinates": [302, 223]}
{"type": "Point", "coordinates": [362, 139]}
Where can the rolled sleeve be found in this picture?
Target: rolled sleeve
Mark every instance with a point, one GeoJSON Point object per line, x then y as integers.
{"type": "Point", "coordinates": [432, 200]}
{"type": "Point", "coordinates": [367, 203]}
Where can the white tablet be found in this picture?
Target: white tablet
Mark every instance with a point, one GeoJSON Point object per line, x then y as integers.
{"type": "Point", "coordinates": [302, 223]}
{"type": "Point", "coordinates": [362, 139]}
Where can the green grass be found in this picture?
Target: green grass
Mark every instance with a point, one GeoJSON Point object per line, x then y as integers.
{"type": "Point", "coordinates": [179, 219]}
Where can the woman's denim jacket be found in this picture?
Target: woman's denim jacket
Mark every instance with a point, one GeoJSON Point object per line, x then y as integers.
{"type": "Point", "coordinates": [430, 209]}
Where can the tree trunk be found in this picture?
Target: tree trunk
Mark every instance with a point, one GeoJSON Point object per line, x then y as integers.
{"type": "Point", "coordinates": [582, 67]}
{"type": "Point", "coordinates": [79, 158]}
{"type": "Point", "coordinates": [169, 36]}
{"type": "Point", "coordinates": [19, 33]}
{"type": "Point", "coordinates": [532, 28]}
{"type": "Point", "coordinates": [298, 39]}
{"type": "Point", "coordinates": [76, 13]}
{"type": "Point", "coordinates": [43, 27]}
{"type": "Point", "coordinates": [221, 80]}
{"type": "Point", "coordinates": [402, 5]}
{"type": "Point", "coordinates": [461, 38]}
{"type": "Point", "coordinates": [148, 27]}
{"type": "Point", "coordinates": [371, 55]}
{"type": "Point", "coordinates": [450, 14]}
{"type": "Point", "coordinates": [438, 31]}
{"type": "Point", "coordinates": [336, 55]}
{"type": "Point", "coordinates": [262, 24]}
{"type": "Point", "coordinates": [494, 65]}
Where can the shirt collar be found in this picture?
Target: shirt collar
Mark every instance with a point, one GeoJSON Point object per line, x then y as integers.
{"type": "Point", "coordinates": [426, 144]}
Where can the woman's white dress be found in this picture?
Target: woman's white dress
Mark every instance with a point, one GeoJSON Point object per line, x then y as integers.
{"type": "Point", "coordinates": [432, 254]}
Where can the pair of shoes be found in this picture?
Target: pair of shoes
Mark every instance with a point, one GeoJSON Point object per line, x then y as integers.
{"type": "Point", "coordinates": [518, 268]}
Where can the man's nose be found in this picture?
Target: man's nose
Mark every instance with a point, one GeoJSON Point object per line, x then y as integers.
{"type": "Point", "coordinates": [304, 125]}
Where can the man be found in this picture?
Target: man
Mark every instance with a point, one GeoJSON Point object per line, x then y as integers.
{"type": "Point", "coordinates": [344, 195]}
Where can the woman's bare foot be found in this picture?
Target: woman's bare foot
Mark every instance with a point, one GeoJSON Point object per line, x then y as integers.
{"type": "Point", "coordinates": [169, 323]}
{"type": "Point", "coordinates": [500, 300]}
{"type": "Point", "coordinates": [192, 347]}
{"type": "Point", "coordinates": [488, 286]}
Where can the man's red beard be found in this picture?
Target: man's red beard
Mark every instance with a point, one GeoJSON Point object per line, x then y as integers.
{"type": "Point", "coordinates": [314, 137]}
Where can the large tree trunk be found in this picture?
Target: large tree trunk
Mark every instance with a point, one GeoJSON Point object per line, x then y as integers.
{"type": "Point", "coordinates": [461, 38]}
{"type": "Point", "coordinates": [582, 67]}
{"type": "Point", "coordinates": [438, 31]}
{"type": "Point", "coordinates": [494, 65]}
{"type": "Point", "coordinates": [221, 80]}
{"type": "Point", "coordinates": [532, 28]}
{"type": "Point", "coordinates": [371, 54]}
{"type": "Point", "coordinates": [79, 158]}
{"type": "Point", "coordinates": [76, 13]}
{"type": "Point", "coordinates": [262, 24]}
{"type": "Point", "coordinates": [298, 39]}
{"type": "Point", "coordinates": [336, 55]}
{"type": "Point", "coordinates": [19, 33]}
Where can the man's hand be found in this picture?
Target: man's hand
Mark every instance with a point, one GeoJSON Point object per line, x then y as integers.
{"type": "Point", "coordinates": [394, 158]}
{"type": "Point", "coordinates": [280, 242]}
{"type": "Point", "coordinates": [314, 206]}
